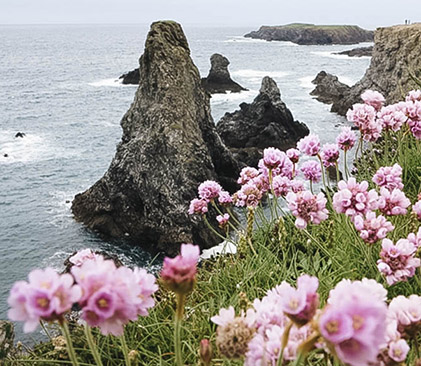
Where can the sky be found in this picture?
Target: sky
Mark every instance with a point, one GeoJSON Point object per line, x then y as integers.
{"type": "Point", "coordinates": [365, 13]}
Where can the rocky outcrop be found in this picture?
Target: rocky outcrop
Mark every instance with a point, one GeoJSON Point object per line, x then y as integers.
{"type": "Point", "coordinates": [328, 88]}
{"type": "Point", "coordinates": [263, 123]}
{"type": "Point", "coordinates": [7, 337]}
{"type": "Point", "coordinates": [219, 79]}
{"type": "Point", "coordinates": [308, 34]}
{"type": "Point", "coordinates": [357, 52]}
{"type": "Point", "coordinates": [131, 77]}
{"type": "Point", "coordinates": [394, 66]}
{"type": "Point", "coordinates": [169, 146]}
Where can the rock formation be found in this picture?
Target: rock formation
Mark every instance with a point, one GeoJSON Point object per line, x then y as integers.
{"type": "Point", "coordinates": [263, 123]}
{"type": "Point", "coordinates": [394, 65]}
{"type": "Point", "coordinates": [328, 88]}
{"type": "Point", "coordinates": [169, 146]}
{"type": "Point", "coordinates": [357, 52]}
{"type": "Point", "coordinates": [219, 79]}
{"type": "Point", "coordinates": [307, 34]}
{"type": "Point", "coordinates": [131, 77]}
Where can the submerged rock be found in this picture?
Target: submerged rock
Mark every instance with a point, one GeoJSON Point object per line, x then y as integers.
{"type": "Point", "coordinates": [328, 88]}
{"type": "Point", "coordinates": [7, 337]}
{"type": "Point", "coordinates": [263, 123]}
{"type": "Point", "coordinates": [131, 77]}
{"type": "Point", "coordinates": [169, 146]}
{"type": "Point", "coordinates": [219, 79]}
{"type": "Point", "coordinates": [357, 52]}
{"type": "Point", "coordinates": [20, 134]}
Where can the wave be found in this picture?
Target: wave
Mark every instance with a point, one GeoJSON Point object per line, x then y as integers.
{"type": "Point", "coordinates": [242, 39]}
{"type": "Point", "coordinates": [244, 96]}
{"type": "Point", "coordinates": [110, 82]}
{"type": "Point", "coordinates": [306, 82]}
{"type": "Point", "coordinates": [332, 54]}
{"type": "Point", "coordinates": [22, 150]}
{"type": "Point", "coordinates": [252, 74]}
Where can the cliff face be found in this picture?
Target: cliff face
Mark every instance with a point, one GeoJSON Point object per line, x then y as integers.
{"type": "Point", "coordinates": [169, 146]}
{"type": "Point", "coordinates": [396, 59]}
{"type": "Point", "coordinates": [310, 34]}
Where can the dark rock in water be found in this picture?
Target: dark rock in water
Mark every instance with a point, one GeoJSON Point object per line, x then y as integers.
{"type": "Point", "coordinates": [395, 66]}
{"type": "Point", "coordinates": [357, 52]}
{"type": "Point", "coordinates": [263, 123]}
{"type": "Point", "coordinates": [20, 134]}
{"type": "Point", "coordinates": [6, 155]}
{"type": "Point", "coordinates": [328, 88]}
{"type": "Point", "coordinates": [308, 34]}
{"type": "Point", "coordinates": [131, 77]}
{"type": "Point", "coordinates": [219, 79]}
{"type": "Point", "coordinates": [7, 337]}
{"type": "Point", "coordinates": [169, 146]}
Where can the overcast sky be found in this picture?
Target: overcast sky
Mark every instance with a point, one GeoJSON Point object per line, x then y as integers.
{"type": "Point", "coordinates": [366, 13]}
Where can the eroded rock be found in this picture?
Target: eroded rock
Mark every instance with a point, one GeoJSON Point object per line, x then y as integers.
{"type": "Point", "coordinates": [328, 88]}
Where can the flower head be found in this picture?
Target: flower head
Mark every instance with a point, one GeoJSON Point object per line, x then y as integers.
{"type": "Point", "coordinates": [416, 209]}
{"type": "Point", "coordinates": [346, 139]}
{"type": "Point", "coordinates": [389, 177]}
{"type": "Point", "coordinates": [209, 190]}
{"type": "Point", "coordinates": [391, 117]}
{"type": "Point", "coordinates": [198, 206]}
{"type": "Point", "coordinates": [223, 220]}
{"type": "Point", "coordinates": [364, 117]}
{"type": "Point", "coordinates": [330, 154]}
{"type": "Point", "coordinates": [311, 170]}
{"type": "Point", "coordinates": [309, 145]}
{"type": "Point", "coordinates": [293, 155]}
{"type": "Point", "coordinates": [247, 174]}
{"type": "Point", "coordinates": [373, 98]}
{"type": "Point", "coordinates": [372, 228]}
{"type": "Point", "coordinates": [82, 256]}
{"type": "Point", "coordinates": [393, 203]}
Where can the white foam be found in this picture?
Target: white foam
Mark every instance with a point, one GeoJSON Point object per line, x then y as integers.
{"type": "Point", "coordinates": [306, 82]}
{"type": "Point", "coordinates": [346, 80]}
{"type": "Point", "coordinates": [110, 82]}
{"type": "Point", "coordinates": [244, 96]}
{"type": "Point", "coordinates": [331, 54]}
{"type": "Point", "coordinates": [224, 248]}
{"type": "Point", "coordinates": [252, 74]}
{"type": "Point", "coordinates": [242, 39]}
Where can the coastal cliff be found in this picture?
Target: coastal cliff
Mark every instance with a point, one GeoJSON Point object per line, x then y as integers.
{"type": "Point", "coordinates": [311, 34]}
{"type": "Point", "coordinates": [169, 146]}
{"type": "Point", "coordinates": [395, 64]}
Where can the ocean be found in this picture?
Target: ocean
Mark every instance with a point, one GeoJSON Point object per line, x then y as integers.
{"type": "Point", "coordinates": [59, 85]}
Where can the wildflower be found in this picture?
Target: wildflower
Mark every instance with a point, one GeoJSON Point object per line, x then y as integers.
{"type": "Point", "coordinates": [394, 202]}
{"type": "Point", "coordinates": [389, 177]}
{"type": "Point", "coordinates": [281, 186]}
{"type": "Point", "coordinates": [330, 154]}
{"type": "Point", "coordinates": [198, 206]}
{"type": "Point", "coordinates": [364, 117]}
{"type": "Point", "coordinates": [397, 262]}
{"type": "Point", "coordinates": [391, 118]}
{"type": "Point", "coordinates": [205, 352]}
{"type": "Point", "coordinates": [406, 312]}
{"type": "Point", "coordinates": [46, 296]}
{"type": "Point", "coordinates": [346, 139]}
{"type": "Point", "coordinates": [293, 155]}
{"type": "Point", "coordinates": [283, 166]}
{"type": "Point", "coordinates": [179, 273]}
{"type": "Point", "coordinates": [398, 350]}
{"type": "Point", "coordinates": [353, 323]}
{"type": "Point", "coordinates": [307, 208]}
{"type": "Point", "coordinates": [272, 157]}
{"type": "Point", "coordinates": [373, 98]}
{"type": "Point", "coordinates": [372, 228]}
{"type": "Point", "coordinates": [415, 238]}
{"type": "Point", "coordinates": [297, 185]}
{"type": "Point", "coordinates": [413, 96]}
{"type": "Point", "coordinates": [249, 195]}
{"type": "Point", "coordinates": [224, 198]}
{"type": "Point", "coordinates": [247, 174]}
{"type": "Point", "coordinates": [223, 220]}
{"type": "Point", "coordinates": [209, 190]}
{"type": "Point", "coordinates": [309, 145]}
{"type": "Point", "coordinates": [413, 112]}
{"type": "Point", "coordinates": [416, 209]}
{"type": "Point", "coordinates": [354, 199]}
{"type": "Point", "coordinates": [82, 256]}
{"type": "Point", "coordinates": [311, 171]}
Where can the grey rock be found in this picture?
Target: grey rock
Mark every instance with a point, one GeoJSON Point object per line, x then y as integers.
{"type": "Point", "coordinates": [169, 146]}
{"type": "Point", "coordinates": [357, 52]}
{"type": "Point", "coordinates": [266, 122]}
{"type": "Point", "coordinates": [131, 77]}
{"type": "Point", "coordinates": [328, 88]}
{"type": "Point", "coordinates": [7, 338]}
{"type": "Point", "coordinates": [219, 79]}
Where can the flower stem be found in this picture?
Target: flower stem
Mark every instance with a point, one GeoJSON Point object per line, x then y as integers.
{"type": "Point", "coordinates": [92, 345]}
{"type": "Point", "coordinates": [284, 343]}
{"type": "Point", "coordinates": [177, 328]}
{"type": "Point", "coordinates": [69, 345]}
{"type": "Point", "coordinates": [125, 350]}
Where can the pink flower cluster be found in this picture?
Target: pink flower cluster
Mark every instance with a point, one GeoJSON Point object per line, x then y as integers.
{"type": "Point", "coordinates": [393, 203]}
{"type": "Point", "coordinates": [223, 220]}
{"type": "Point", "coordinates": [373, 98]}
{"type": "Point", "coordinates": [389, 177]}
{"type": "Point", "coordinates": [413, 112]}
{"type": "Point", "coordinates": [112, 296]}
{"type": "Point", "coordinates": [346, 139]}
{"type": "Point", "coordinates": [364, 117]}
{"type": "Point", "coordinates": [309, 145]}
{"type": "Point", "coordinates": [391, 117]}
{"type": "Point", "coordinates": [353, 323]}
{"type": "Point", "coordinates": [293, 155]}
{"type": "Point", "coordinates": [397, 261]}
{"type": "Point", "coordinates": [307, 208]}
{"type": "Point", "coordinates": [372, 228]}
{"type": "Point", "coordinates": [416, 209]}
{"type": "Point", "coordinates": [330, 154]}
{"type": "Point", "coordinates": [415, 238]}
{"type": "Point", "coordinates": [311, 170]}
{"type": "Point", "coordinates": [208, 191]}
{"type": "Point", "coordinates": [82, 256]}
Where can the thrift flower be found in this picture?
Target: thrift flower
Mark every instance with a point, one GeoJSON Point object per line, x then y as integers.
{"type": "Point", "coordinates": [82, 256]}
{"type": "Point", "coordinates": [247, 174]}
{"type": "Point", "coordinates": [223, 220]}
{"type": "Point", "coordinates": [309, 145]}
{"type": "Point", "coordinates": [406, 312]}
{"type": "Point", "coordinates": [389, 177]}
{"type": "Point", "coordinates": [198, 206]}
{"type": "Point", "coordinates": [416, 209]}
{"type": "Point", "coordinates": [272, 157]}
{"type": "Point", "coordinates": [293, 155]}
{"type": "Point", "coordinates": [413, 96]}
{"type": "Point", "coordinates": [311, 170]}
{"type": "Point", "coordinates": [415, 238]}
{"type": "Point", "coordinates": [281, 186]}
{"type": "Point", "coordinates": [373, 98]}
{"type": "Point", "coordinates": [209, 190]}
{"type": "Point", "coordinates": [330, 154]}
{"type": "Point", "coordinates": [391, 118]}
{"type": "Point", "coordinates": [393, 203]}
{"type": "Point", "coordinates": [364, 117]}
{"type": "Point", "coordinates": [224, 198]}
{"type": "Point", "coordinates": [346, 139]}
{"type": "Point", "coordinates": [249, 195]}
{"type": "Point", "coordinates": [372, 228]}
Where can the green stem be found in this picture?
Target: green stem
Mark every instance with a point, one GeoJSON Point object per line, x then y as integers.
{"type": "Point", "coordinates": [416, 346]}
{"type": "Point", "coordinates": [212, 229]}
{"type": "Point", "coordinates": [299, 359]}
{"type": "Point", "coordinates": [346, 173]}
{"type": "Point", "coordinates": [284, 343]}
{"type": "Point", "coordinates": [69, 345]}
{"type": "Point", "coordinates": [92, 345]}
{"type": "Point", "coordinates": [177, 328]}
{"type": "Point", "coordinates": [222, 214]}
{"type": "Point", "coordinates": [44, 328]}
{"type": "Point", "coordinates": [125, 350]}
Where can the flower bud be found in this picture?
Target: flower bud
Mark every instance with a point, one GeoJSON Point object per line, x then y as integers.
{"type": "Point", "coordinates": [205, 352]}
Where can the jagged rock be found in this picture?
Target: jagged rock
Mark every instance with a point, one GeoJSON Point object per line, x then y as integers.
{"type": "Point", "coordinates": [7, 337]}
{"type": "Point", "coordinates": [308, 34]}
{"type": "Point", "coordinates": [219, 79]}
{"type": "Point", "coordinates": [169, 146]}
{"type": "Point", "coordinates": [394, 66]}
{"type": "Point", "coordinates": [328, 88]}
{"type": "Point", "coordinates": [131, 77]}
{"type": "Point", "coordinates": [263, 123]}
{"type": "Point", "coordinates": [20, 134]}
{"type": "Point", "coordinates": [357, 52]}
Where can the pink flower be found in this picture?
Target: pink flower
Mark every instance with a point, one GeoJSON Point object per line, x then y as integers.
{"type": "Point", "coordinates": [300, 304]}
{"type": "Point", "coordinates": [82, 256]}
{"type": "Point", "coordinates": [249, 195]}
{"type": "Point", "coordinates": [346, 139]}
{"type": "Point", "coordinates": [198, 206]}
{"type": "Point", "coordinates": [413, 112]}
{"type": "Point", "coordinates": [293, 155]}
{"type": "Point", "coordinates": [179, 273]}
{"type": "Point", "coordinates": [416, 209]}
{"type": "Point", "coordinates": [330, 154]}
{"type": "Point", "coordinates": [247, 174]}
{"type": "Point", "coordinates": [398, 350]}
{"type": "Point", "coordinates": [209, 190]}
{"type": "Point", "coordinates": [364, 117]}
{"type": "Point", "coordinates": [307, 208]}
{"type": "Point", "coordinates": [413, 96]}
{"type": "Point", "coordinates": [148, 286]}
{"type": "Point", "coordinates": [297, 185]}
{"type": "Point", "coordinates": [373, 98]}
{"type": "Point", "coordinates": [354, 323]}
{"type": "Point", "coordinates": [389, 177]}
{"type": "Point", "coordinates": [224, 198]}
{"type": "Point", "coordinates": [406, 312]}
{"type": "Point", "coordinates": [281, 186]}
{"type": "Point", "coordinates": [415, 238]}
{"type": "Point", "coordinates": [393, 203]}
{"type": "Point", "coordinates": [372, 228]}
{"type": "Point", "coordinates": [272, 157]}
{"type": "Point", "coordinates": [283, 167]}
{"type": "Point", "coordinates": [223, 220]}
{"type": "Point", "coordinates": [309, 145]}
{"type": "Point", "coordinates": [224, 317]}
{"type": "Point", "coordinates": [311, 170]}
{"type": "Point", "coordinates": [354, 199]}
{"type": "Point", "coordinates": [391, 118]}
{"type": "Point", "coordinates": [46, 296]}
{"type": "Point", "coordinates": [397, 262]}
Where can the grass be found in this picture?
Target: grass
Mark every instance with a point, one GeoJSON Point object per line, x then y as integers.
{"type": "Point", "coordinates": [331, 251]}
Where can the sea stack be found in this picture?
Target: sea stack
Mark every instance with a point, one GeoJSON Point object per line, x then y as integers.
{"type": "Point", "coordinates": [266, 122]}
{"type": "Point", "coordinates": [395, 66]}
{"type": "Point", "coordinates": [219, 79]}
{"type": "Point", "coordinates": [169, 146]}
